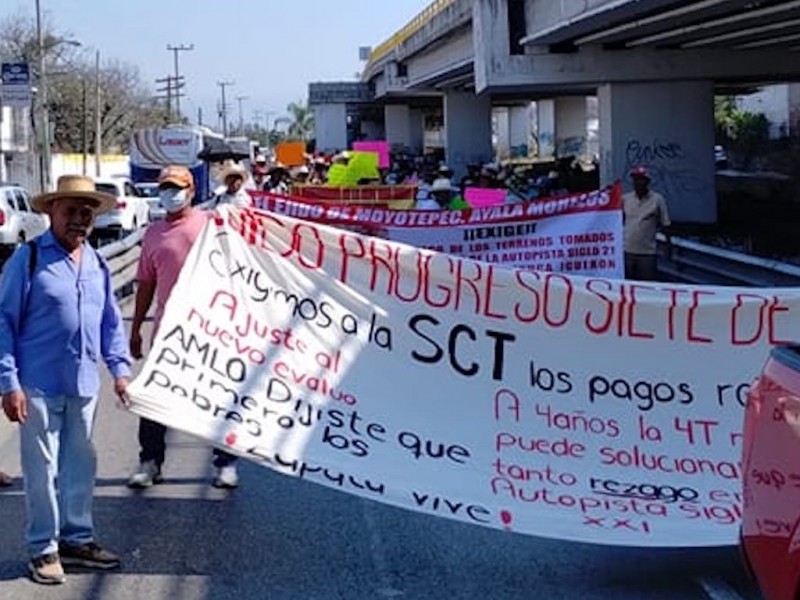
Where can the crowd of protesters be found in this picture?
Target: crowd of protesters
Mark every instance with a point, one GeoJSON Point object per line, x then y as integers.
{"type": "Point", "coordinates": [436, 184]}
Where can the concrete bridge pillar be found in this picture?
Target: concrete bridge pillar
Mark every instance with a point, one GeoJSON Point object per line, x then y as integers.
{"type": "Point", "coordinates": [571, 125]}
{"type": "Point", "coordinates": [404, 126]}
{"type": "Point", "coordinates": [468, 130]}
{"type": "Point", "coordinates": [667, 127]}
{"type": "Point", "coordinates": [546, 127]}
{"type": "Point", "coordinates": [502, 132]}
{"type": "Point", "coordinates": [330, 127]}
{"type": "Point", "coordinates": [512, 130]}
{"type": "Point", "coordinates": [519, 130]}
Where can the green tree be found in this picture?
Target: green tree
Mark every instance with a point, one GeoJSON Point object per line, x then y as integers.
{"type": "Point", "coordinates": [126, 103]}
{"type": "Point", "coordinates": [301, 126]}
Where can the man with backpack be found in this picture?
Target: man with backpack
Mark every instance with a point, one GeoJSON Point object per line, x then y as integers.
{"type": "Point", "coordinates": [58, 319]}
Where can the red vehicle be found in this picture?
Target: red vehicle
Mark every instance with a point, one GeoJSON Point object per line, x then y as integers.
{"type": "Point", "coordinates": [771, 466]}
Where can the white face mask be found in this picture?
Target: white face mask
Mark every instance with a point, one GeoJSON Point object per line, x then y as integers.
{"type": "Point", "coordinates": [173, 199]}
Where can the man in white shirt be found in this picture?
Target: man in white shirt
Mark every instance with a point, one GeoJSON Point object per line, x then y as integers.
{"type": "Point", "coordinates": [645, 212]}
{"type": "Point", "coordinates": [234, 176]}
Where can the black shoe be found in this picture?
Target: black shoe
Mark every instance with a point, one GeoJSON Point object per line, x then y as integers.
{"type": "Point", "coordinates": [88, 555]}
{"type": "Point", "coordinates": [46, 569]}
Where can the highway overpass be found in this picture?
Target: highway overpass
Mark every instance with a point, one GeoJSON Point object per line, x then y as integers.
{"type": "Point", "coordinates": [652, 65]}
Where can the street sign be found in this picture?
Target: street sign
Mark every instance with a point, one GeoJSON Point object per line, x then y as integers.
{"type": "Point", "coordinates": [16, 88]}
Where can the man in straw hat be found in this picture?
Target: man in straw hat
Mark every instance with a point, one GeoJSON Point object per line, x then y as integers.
{"type": "Point", "coordinates": [165, 246]}
{"type": "Point", "coordinates": [234, 177]}
{"type": "Point", "coordinates": [58, 318]}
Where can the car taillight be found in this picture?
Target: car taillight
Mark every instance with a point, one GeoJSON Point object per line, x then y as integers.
{"type": "Point", "coordinates": [2, 218]}
{"type": "Point", "coordinates": [121, 204]}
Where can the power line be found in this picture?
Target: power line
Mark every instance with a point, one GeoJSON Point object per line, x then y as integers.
{"type": "Point", "coordinates": [176, 50]}
{"type": "Point", "coordinates": [172, 90]}
{"type": "Point", "coordinates": [241, 99]}
{"type": "Point", "coordinates": [223, 107]}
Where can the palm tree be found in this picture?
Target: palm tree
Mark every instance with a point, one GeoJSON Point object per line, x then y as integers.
{"type": "Point", "coordinates": [301, 126]}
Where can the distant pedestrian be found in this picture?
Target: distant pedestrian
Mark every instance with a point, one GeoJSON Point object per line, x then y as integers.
{"type": "Point", "coordinates": [165, 246]}
{"type": "Point", "coordinates": [58, 319]}
{"type": "Point", "coordinates": [234, 176]}
{"type": "Point", "coordinates": [645, 212]}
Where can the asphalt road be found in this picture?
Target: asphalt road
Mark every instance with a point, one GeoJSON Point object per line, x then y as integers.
{"type": "Point", "coordinates": [276, 538]}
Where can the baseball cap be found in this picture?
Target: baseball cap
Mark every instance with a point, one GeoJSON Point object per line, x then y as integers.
{"type": "Point", "coordinates": [177, 175]}
{"type": "Point", "coordinates": [640, 172]}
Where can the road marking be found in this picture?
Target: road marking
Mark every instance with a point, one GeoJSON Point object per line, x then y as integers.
{"type": "Point", "coordinates": [717, 589]}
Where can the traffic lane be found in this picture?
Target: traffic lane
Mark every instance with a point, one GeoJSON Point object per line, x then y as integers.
{"type": "Point", "coordinates": [279, 537]}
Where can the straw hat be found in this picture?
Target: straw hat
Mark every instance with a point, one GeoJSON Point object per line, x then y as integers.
{"type": "Point", "coordinates": [75, 186]}
{"type": "Point", "coordinates": [233, 169]}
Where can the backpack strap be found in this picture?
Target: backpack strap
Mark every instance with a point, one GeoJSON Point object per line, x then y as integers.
{"type": "Point", "coordinates": [33, 248]}
{"type": "Point", "coordinates": [33, 252]}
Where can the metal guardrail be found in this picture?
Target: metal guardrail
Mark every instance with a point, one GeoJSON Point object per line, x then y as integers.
{"type": "Point", "coordinates": [410, 29]}
{"type": "Point", "coordinates": [691, 262]}
{"type": "Point", "coordinates": [684, 261]}
{"type": "Point", "coordinates": [123, 260]}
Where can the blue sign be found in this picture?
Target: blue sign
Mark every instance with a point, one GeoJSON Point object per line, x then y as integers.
{"type": "Point", "coordinates": [16, 88]}
{"type": "Point", "coordinates": [15, 74]}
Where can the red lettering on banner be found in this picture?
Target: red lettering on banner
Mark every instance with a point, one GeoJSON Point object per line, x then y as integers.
{"type": "Point", "coordinates": [346, 242]}
{"type": "Point", "coordinates": [551, 300]}
{"type": "Point", "coordinates": [762, 326]}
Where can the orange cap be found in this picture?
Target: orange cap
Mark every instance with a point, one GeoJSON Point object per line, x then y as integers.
{"type": "Point", "coordinates": [180, 176]}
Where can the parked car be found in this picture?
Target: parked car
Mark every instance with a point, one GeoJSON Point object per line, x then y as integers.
{"type": "Point", "coordinates": [130, 214]}
{"type": "Point", "coordinates": [720, 157]}
{"type": "Point", "coordinates": [771, 469]}
{"type": "Point", "coordinates": [149, 191]}
{"type": "Point", "coordinates": [18, 222]}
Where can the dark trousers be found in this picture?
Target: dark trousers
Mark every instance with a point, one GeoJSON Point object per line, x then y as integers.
{"type": "Point", "coordinates": [641, 267]}
{"type": "Point", "coordinates": [153, 444]}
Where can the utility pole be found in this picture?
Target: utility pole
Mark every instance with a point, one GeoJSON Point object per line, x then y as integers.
{"type": "Point", "coordinates": [241, 99]}
{"type": "Point", "coordinates": [267, 115]}
{"type": "Point", "coordinates": [223, 109]}
{"type": "Point", "coordinates": [176, 50]}
{"type": "Point", "coordinates": [85, 128]}
{"type": "Point", "coordinates": [98, 131]}
{"type": "Point", "coordinates": [44, 171]}
{"type": "Point", "coordinates": [170, 92]}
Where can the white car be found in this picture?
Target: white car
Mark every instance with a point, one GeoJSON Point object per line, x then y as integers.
{"type": "Point", "coordinates": [18, 222]}
{"type": "Point", "coordinates": [131, 212]}
{"type": "Point", "coordinates": [149, 191]}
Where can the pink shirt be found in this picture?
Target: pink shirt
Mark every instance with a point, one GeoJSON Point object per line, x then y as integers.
{"type": "Point", "coordinates": [165, 246]}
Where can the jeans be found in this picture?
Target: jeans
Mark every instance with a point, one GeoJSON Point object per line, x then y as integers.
{"type": "Point", "coordinates": [152, 441]}
{"type": "Point", "coordinates": [58, 465]}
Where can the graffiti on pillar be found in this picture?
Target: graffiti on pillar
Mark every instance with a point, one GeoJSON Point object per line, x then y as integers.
{"type": "Point", "coordinates": [672, 170]}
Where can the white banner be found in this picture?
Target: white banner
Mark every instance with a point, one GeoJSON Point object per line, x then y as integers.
{"type": "Point", "coordinates": [579, 234]}
{"type": "Point", "coordinates": [574, 408]}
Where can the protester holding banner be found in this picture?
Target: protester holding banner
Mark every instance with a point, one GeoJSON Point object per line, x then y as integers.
{"type": "Point", "coordinates": [645, 211]}
{"type": "Point", "coordinates": [165, 246]}
{"type": "Point", "coordinates": [58, 317]}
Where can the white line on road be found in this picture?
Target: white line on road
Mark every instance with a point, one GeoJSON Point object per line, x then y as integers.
{"type": "Point", "coordinates": [717, 589]}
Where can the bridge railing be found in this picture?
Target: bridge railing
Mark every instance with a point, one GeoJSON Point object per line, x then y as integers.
{"type": "Point", "coordinates": [410, 29]}
{"type": "Point", "coordinates": [123, 259]}
{"type": "Point", "coordinates": [688, 261]}
{"type": "Point", "coordinates": [684, 261]}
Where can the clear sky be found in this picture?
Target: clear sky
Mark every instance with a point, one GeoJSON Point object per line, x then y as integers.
{"type": "Point", "coordinates": [271, 49]}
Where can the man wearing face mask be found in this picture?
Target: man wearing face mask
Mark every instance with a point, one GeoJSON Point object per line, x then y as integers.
{"type": "Point", "coordinates": [165, 246]}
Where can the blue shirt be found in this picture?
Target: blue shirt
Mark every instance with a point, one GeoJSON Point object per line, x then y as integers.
{"type": "Point", "coordinates": [55, 326]}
